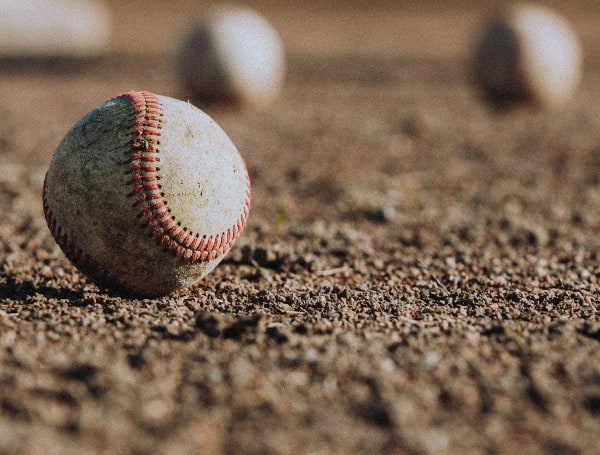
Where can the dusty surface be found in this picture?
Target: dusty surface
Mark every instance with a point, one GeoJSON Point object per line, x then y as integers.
{"type": "Point", "coordinates": [419, 274]}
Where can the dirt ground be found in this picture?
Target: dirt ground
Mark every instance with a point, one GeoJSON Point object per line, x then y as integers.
{"type": "Point", "coordinates": [419, 274]}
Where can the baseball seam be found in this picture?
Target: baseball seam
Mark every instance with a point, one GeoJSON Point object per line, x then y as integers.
{"type": "Point", "coordinates": [83, 260]}
{"type": "Point", "coordinates": [61, 237]}
{"type": "Point", "coordinates": [143, 159]}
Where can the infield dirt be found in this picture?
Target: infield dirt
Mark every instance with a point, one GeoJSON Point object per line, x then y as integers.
{"type": "Point", "coordinates": [419, 274]}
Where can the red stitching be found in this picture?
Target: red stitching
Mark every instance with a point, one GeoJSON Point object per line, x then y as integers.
{"type": "Point", "coordinates": [152, 209]}
{"type": "Point", "coordinates": [83, 260]}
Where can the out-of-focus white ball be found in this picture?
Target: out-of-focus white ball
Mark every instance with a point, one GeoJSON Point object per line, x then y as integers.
{"type": "Point", "coordinates": [57, 28]}
{"type": "Point", "coordinates": [231, 54]}
{"type": "Point", "coordinates": [528, 54]}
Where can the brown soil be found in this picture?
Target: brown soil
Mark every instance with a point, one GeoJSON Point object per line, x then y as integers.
{"type": "Point", "coordinates": [419, 274]}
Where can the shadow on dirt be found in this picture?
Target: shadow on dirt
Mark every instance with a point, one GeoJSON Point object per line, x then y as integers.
{"type": "Point", "coordinates": [27, 290]}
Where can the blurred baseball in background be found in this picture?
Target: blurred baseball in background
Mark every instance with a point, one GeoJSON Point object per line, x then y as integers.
{"type": "Point", "coordinates": [53, 28]}
{"type": "Point", "coordinates": [527, 54]}
{"type": "Point", "coordinates": [231, 54]}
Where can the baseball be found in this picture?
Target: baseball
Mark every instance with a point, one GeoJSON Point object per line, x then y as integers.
{"type": "Point", "coordinates": [528, 54]}
{"type": "Point", "coordinates": [231, 54]}
{"type": "Point", "coordinates": [58, 28]}
{"type": "Point", "coordinates": [146, 194]}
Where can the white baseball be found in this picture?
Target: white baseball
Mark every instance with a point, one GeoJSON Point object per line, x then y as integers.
{"type": "Point", "coordinates": [58, 28]}
{"type": "Point", "coordinates": [528, 54]}
{"type": "Point", "coordinates": [232, 54]}
{"type": "Point", "coordinates": [146, 194]}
